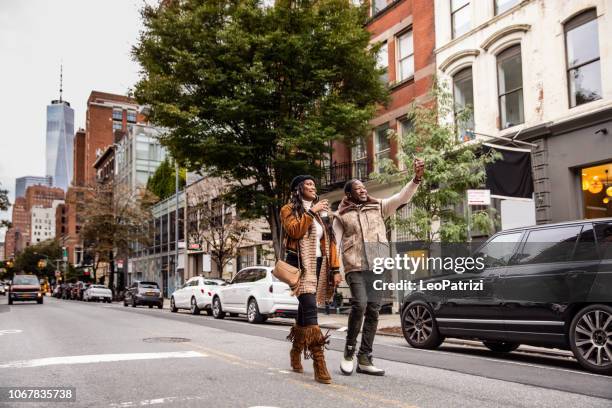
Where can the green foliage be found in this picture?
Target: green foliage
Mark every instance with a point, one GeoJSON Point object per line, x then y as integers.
{"type": "Point", "coordinates": [451, 167]}
{"type": "Point", "coordinates": [254, 93]}
{"type": "Point", "coordinates": [162, 182]}
{"type": "Point", "coordinates": [4, 206]}
{"type": "Point", "coordinates": [27, 260]}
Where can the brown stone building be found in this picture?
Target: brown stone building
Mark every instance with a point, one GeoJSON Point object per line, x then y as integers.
{"type": "Point", "coordinates": [18, 236]}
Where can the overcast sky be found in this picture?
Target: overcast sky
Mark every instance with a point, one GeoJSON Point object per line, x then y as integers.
{"type": "Point", "coordinates": [92, 38]}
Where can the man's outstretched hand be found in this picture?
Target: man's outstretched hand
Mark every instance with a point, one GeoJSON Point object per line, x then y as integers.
{"type": "Point", "coordinates": [419, 169]}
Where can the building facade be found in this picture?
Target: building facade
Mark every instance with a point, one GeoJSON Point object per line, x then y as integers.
{"type": "Point", "coordinates": [159, 262]}
{"type": "Point", "coordinates": [22, 183]}
{"type": "Point", "coordinates": [405, 28]}
{"type": "Point", "coordinates": [538, 72]}
{"type": "Point", "coordinates": [42, 222]}
{"type": "Point", "coordinates": [138, 154]}
{"type": "Point", "coordinates": [59, 143]}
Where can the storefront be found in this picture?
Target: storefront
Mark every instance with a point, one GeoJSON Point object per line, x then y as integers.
{"type": "Point", "coordinates": [596, 183]}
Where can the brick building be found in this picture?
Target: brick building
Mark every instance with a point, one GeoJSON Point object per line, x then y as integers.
{"type": "Point", "coordinates": [406, 30]}
{"type": "Point", "coordinates": [17, 237]}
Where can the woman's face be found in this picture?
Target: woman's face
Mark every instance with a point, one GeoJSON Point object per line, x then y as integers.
{"type": "Point", "coordinates": [309, 190]}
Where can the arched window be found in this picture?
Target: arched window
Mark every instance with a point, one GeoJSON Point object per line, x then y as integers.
{"type": "Point", "coordinates": [463, 95]}
{"type": "Point", "coordinates": [582, 56]}
{"type": "Point", "coordinates": [510, 87]}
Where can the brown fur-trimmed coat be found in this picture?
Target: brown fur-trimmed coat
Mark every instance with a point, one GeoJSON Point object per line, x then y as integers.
{"type": "Point", "coordinates": [301, 232]}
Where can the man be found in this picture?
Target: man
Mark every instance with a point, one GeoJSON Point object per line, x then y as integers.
{"type": "Point", "coordinates": [355, 243]}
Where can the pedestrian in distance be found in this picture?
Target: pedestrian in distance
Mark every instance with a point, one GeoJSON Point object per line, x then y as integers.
{"type": "Point", "coordinates": [355, 244]}
{"type": "Point", "coordinates": [310, 246]}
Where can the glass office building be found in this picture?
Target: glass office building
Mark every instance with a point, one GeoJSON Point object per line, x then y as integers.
{"type": "Point", "coordinates": [60, 140]}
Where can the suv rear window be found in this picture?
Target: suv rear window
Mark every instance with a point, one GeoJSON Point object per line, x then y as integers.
{"type": "Point", "coordinates": [549, 245]}
{"type": "Point", "coordinates": [148, 285]}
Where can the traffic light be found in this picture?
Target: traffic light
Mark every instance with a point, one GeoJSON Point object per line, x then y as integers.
{"type": "Point", "coordinates": [42, 263]}
{"type": "Point", "coordinates": [9, 263]}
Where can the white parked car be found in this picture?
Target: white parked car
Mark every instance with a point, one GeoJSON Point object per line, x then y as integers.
{"type": "Point", "coordinates": [195, 295]}
{"type": "Point", "coordinates": [97, 293]}
{"type": "Point", "coordinates": [256, 293]}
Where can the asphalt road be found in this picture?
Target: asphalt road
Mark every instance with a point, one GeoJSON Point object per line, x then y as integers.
{"type": "Point", "coordinates": [123, 357]}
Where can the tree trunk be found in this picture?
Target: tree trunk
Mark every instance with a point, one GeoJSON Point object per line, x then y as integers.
{"type": "Point", "coordinates": [111, 278]}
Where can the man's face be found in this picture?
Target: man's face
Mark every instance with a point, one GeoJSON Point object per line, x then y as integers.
{"type": "Point", "coordinates": [359, 192]}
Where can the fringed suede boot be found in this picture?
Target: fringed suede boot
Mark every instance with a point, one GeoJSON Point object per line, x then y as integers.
{"type": "Point", "coordinates": [297, 337]}
{"type": "Point", "coordinates": [315, 344]}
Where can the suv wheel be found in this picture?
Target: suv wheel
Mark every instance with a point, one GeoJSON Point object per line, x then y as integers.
{"type": "Point", "coordinates": [591, 338]}
{"type": "Point", "coordinates": [419, 326]}
{"type": "Point", "coordinates": [173, 308]}
{"type": "Point", "coordinates": [501, 346]}
{"type": "Point", "coordinates": [218, 312]}
{"type": "Point", "coordinates": [253, 315]}
{"type": "Point", "coordinates": [194, 309]}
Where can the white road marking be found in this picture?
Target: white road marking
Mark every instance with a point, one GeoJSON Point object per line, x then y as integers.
{"type": "Point", "coordinates": [100, 358]}
{"type": "Point", "coordinates": [10, 331]}
{"type": "Point", "coordinates": [342, 329]}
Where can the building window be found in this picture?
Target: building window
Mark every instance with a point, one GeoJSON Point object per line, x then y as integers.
{"type": "Point", "coordinates": [382, 145]}
{"type": "Point", "coordinates": [582, 53]}
{"type": "Point", "coordinates": [405, 56]}
{"type": "Point", "coordinates": [503, 5]}
{"type": "Point", "coordinates": [117, 125]}
{"type": "Point", "coordinates": [510, 87]}
{"type": "Point", "coordinates": [131, 116]}
{"type": "Point", "coordinates": [460, 17]}
{"type": "Point", "coordinates": [378, 5]}
{"type": "Point", "coordinates": [117, 114]}
{"type": "Point", "coordinates": [596, 185]}
{"type": "Point", "coordinates": [463, 94]}
{"type": "Point", "coordinates": [383, 62]}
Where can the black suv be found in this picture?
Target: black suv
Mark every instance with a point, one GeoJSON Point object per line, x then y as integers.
{"type": "Point", "coordinates": [547, 285]}
{"type": "Point", "coordinates": [143, 293]}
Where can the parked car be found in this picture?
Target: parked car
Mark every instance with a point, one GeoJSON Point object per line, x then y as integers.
{"type": "Point", "coordinates": [81, 288]}
{"type": "Point", "coordinates": [547, 285]}
{"type": "Point", "coordinates": [24, 288]}
{"type": "Point", "coordinates": [98, 293]}
{"type": "Point", "coordinates": [2, 289]}
{"type": "Point", "coordinates": [143, 293]}
{"type": "Point", "coordinates": [256, 293]}
{"type": "Point", "coordinates": [67, 290]}
{"type": "Point", "coordinates": [195, 295]}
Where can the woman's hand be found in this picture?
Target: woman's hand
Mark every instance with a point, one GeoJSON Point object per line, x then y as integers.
{"type": "Point", "coordinates": [419, 169]}
{"type": "Point", "coordinates": [322, 205]}
{"type": "Point", "coordinates": [337, 279]}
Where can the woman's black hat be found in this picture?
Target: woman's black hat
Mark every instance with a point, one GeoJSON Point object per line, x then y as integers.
{"type": "Point", "coordinates": [298, 179]}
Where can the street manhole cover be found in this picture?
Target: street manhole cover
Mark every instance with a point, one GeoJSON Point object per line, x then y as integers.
{"type": "Point", "coordinates": [165, 340]}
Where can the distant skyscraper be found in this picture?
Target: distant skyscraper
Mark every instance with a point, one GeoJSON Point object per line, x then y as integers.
{"type": "Point", "coordinates": [60, 138]}
{"type": "Point", "coordinates": [22, 183]}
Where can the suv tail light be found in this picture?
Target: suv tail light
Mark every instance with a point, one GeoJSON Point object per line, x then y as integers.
{"type": "Point", "coordinates": [271, 289]}
{"type": "Point", "coordinates": [202, 290]}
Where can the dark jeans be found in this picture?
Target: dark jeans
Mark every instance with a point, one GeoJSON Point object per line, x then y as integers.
{"type": "Point", "coordinates": [365, 301]}
{"type": "Point", "coordinates": [307, 308]}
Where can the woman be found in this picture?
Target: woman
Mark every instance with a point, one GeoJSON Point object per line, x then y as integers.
{"type": "Point", "coordinates": [310, 246]}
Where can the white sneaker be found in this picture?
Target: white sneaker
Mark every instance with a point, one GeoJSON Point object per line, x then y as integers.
{"type": "Point", "coordinates": [366, 366]}
{"type": "Point", "coordinates": [347, 364]}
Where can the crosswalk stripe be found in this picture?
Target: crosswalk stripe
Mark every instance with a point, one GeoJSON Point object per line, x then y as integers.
{"type": "Point", "coordinates": [100, 358]}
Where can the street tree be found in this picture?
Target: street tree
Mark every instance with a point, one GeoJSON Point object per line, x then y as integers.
{"type": "Point", "coordinates": [255, 93]}
{"type": "Point", "coordinates": [213, 223]}
{"type": "Point", "coordinates": [116, 223]}
{"type": "Point", "coordinates": [5, 204]}
{"type": "Point", "coordinates": [451, 167]}
{"type": "Point", "coordinates": [39, 259]}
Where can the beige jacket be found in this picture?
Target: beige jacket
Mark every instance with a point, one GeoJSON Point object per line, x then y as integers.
{"type": "Point", "coordinates": [360, 228]}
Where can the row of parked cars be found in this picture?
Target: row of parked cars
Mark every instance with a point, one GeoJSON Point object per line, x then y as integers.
{"type": "Point", "coordinates": [87, 292]}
